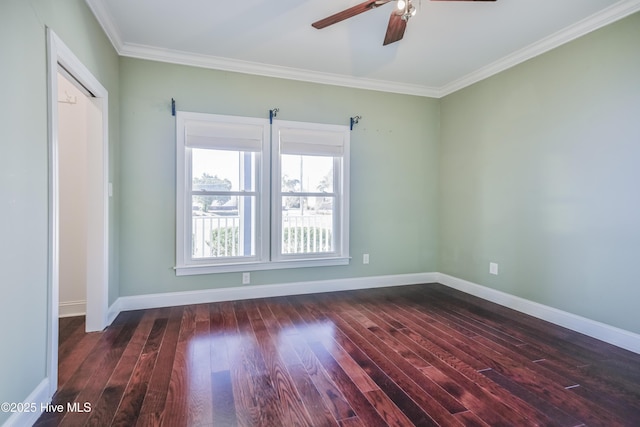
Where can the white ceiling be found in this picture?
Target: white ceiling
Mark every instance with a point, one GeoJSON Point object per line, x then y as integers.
{"type": "Point", "coordinates": [447, 45]}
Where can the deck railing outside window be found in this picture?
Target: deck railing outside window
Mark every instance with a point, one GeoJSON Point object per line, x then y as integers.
{"type": "Point", "coordinates": [218, 236]}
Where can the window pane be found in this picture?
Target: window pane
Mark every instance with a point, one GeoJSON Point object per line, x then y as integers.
{"type": "Point", "coordinates": [224, 229]}
{"type": "Point", "coordinates": [222, 170]}
{"type": "Point", "coordinates": [307, 174]}
{"type": "Point", "coordinates": [307, 225]}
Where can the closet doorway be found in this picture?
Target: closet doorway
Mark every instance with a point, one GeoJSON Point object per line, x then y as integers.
{"type": "Point", "coordinates": [79, 212]}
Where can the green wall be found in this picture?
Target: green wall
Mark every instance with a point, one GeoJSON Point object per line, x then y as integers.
{"type": "Point", "coordinates": [540, 172]}
{"type": "Point", "coordinates": [24, 174]}
{"type": "Point", "coordinates": [535, 168]}
{"type": "Point", "coordinates": [394, 160]}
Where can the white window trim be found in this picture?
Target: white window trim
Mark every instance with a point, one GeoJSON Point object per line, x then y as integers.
{"type": "Point", "coordinates": [183, 185]}
{"type": "Point", "coordinates": [341, 190]}
{"type": "Point", "coordinates": [267, 247]}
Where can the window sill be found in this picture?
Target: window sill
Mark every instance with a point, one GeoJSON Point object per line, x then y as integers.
{"type": "Point", "coordinates": [191, 270]}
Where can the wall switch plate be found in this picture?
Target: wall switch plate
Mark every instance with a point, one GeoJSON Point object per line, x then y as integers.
{"type": "Point", "coordinates": [246, 278]}
{"type": "Point", "coordinates": [493, 268]}
{"type": "Point", "coordinates": [365, 259]}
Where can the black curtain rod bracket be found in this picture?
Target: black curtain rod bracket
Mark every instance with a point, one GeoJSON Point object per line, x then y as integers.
{"type": "Point", "coordinates": [272, 114]}
{"type": "Point", "coordinates": [355, 120]}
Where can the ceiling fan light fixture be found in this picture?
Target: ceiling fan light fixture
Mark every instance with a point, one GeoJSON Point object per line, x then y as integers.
{"type": "Point", "coordinates": [406, 9]}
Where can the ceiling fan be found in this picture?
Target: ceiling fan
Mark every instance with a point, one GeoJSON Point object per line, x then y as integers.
{"type": "Point", "coordinates": [397, 22]}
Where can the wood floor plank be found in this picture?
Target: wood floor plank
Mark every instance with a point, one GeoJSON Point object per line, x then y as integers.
{"type": "Point", "coordinates": [67, 326]}
{"type": "Point", "coordinates": [241, 380]}
{"type": "Point", "coordinates": [310, 396]}
{"type": "Point", "coordinates": [261, 393]}
{"type": "Point", "coordinates": [469, 419]}
{"type": "Point", "coordinates": [396, 396]}
{"type": "Point", "coordinates": [199, 368]}
{"type": "Point", "coordinates": [406, 360]}
{"type": "Point", "coordinates": [534, 377]}
{"type": "Point", "coordinates": [526, 374]}
{"type": "Point", "coordinates": [529, 328]}
{"type": "Point", "coordinates": [365, 411]}
{"type": "Point", "coordinates": [333, 398]}
{"type": "Point", "coordinates": [534, 348]}
{"type": "Point", "coordinates": [316, 328]}
{"type": "Point", "coordinates": [70, 331]}
{"type": "Point", "coordinates": [176, 409]}
{"type": "Point", "coordinates": [419, 405]}
{"type": "Point", "coordinates": [426, 344]}
{"type": "Point", "coordinates": [136, 388]}
{"type": "Point", "coordinates": [388, 410]}
{"type": "Point", "coordinates": [223, 408]}
{"type": "Point", "coordinates": [97, 376]}
{"type": "Point", "coordinates": [401, 356]}
{"type": "Point", "coordinates": [559, 364]}
{"type": "Point", "coordinates": [74, 355]}
{"type": "Point", "coordinates": [114, 390]}
{"type": "Point", "coordinates": [563, 418]}
{"type": "Point", "coordinates": [87, 366]}
{"type": "Point", "coordinates": [218, 333]}
{"type": "Point", "coordinates": [355, 372]}
{"type": "Point", "coordinates": [459, 386]}
{"type": "Point", "coordinates": [290, 403]}
{"type": "Point", "coordinates": [352, 422]}
{"type": "Point", "coordinates": [158, 386]}
{"type": "Point", "coordinates": [536, 381]}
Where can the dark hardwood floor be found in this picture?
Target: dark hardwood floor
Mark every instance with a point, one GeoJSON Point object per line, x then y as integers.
{"type": "Point", "coordinates": [414, 355]}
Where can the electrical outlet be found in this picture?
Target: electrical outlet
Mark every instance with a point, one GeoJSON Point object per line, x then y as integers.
{"type": "Point", "coordinates": [246, 278]}
{"type": "Point", "coordinates": [493, 268]}
{"type": "Point", "coordinates": [365, 259]}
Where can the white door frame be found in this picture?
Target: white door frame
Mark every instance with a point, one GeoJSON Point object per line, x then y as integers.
{"type": "Point", "coordinates": [98, 221]}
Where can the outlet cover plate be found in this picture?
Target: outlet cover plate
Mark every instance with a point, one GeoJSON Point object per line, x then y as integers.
{"type": "Point", "coordinates": [493, 268]}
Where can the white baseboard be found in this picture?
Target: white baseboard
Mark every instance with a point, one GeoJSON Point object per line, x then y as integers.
{"type": "Point", "coordinates": [264, 291]}
{"type": "Point", "coordinates": [113, 311]}
{"type": "Point", "coordinates": [38, 397]}
{"type": "Point", "coordinates": [72, 308]}
{"type": "Point", "coordinates": [607, 333]}
{"type": "Point", "coordinates": [610, 334]}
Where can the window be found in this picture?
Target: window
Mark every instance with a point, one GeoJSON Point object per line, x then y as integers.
{"type": "Point", "coordinates": [221, 208]}
{"type": "Point", "coordinates": [309, 214]}
{"type": "Point", "coordinates": [255, 196]}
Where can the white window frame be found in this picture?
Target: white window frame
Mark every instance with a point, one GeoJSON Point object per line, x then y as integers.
{"type": "Point", "coordinates": [268, 224]}
{"type": "Point", "coordinates": [186, 121]}
{"type": "Point", "coordinates": [325, 140]}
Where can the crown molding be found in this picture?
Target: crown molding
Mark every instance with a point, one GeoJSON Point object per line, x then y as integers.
{"type": "Point", "coordinates": [598, 20]}
{"type": "Point", "coordinates": [105, 20]}
{"type": "Point", "coordinates": [247, 67]}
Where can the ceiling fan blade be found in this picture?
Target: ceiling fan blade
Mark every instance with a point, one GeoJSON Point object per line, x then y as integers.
{"type": "Point", "coordinates": [348, 13]}
{"type": "Point", "coordinates": [395, 29]}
